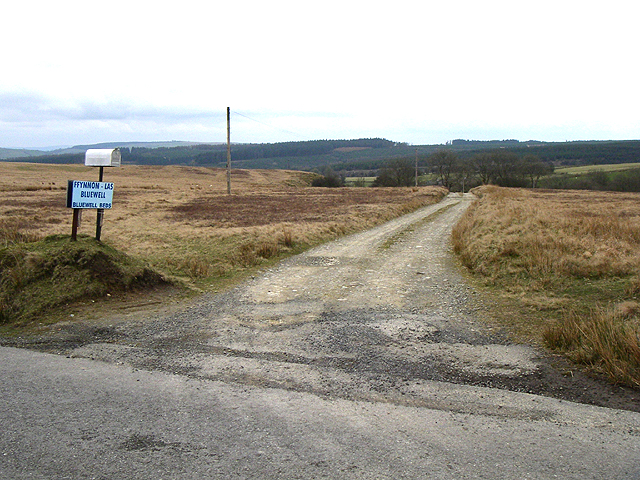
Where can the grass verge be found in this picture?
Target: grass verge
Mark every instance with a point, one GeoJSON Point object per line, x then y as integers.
{"type": "Point", "coordinates": [606, 339]}
{"type": "Point", "coordinates": [568, 266]}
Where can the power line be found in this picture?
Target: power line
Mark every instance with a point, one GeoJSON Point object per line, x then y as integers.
{"type": "Point", "coordinates": [269, 125]}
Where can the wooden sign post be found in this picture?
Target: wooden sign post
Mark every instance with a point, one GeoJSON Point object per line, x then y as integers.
{"type": "Point", "coordinates": [83, 194]}
{"type": "Point", "coordinates": [97, 195]}
{"type": "Point", "coordinates": [77, 216]}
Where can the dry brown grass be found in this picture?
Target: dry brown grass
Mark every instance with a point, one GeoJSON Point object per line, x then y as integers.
{"type": "Point", "coordinates": [607, 340]}
{"type": "Point", "coordinates": [182, 222]}
{"type": "Point", "coordinates": [560, 233]}
{"type": "Point", "coordinates": [568, 258]}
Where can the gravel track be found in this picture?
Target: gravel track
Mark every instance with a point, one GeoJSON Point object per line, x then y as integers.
{"type": "Point", "coordinates": [376, 316]}
{"type": "Point", "coordinates": [364, 358]}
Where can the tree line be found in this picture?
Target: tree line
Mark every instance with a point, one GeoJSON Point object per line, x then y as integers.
{"type": "Point", "coordinates": [287, 149]}
{"type": "Point", "coordinates": [212, 155]}
{"type": "Point", "coordinates": [617, 181]}
{"type": "Point", "coordinates": [499, 167]}
{"type": "Point", "coordinates": [476, 161]}
{"type": "Point", "coordinates": [583, 153]}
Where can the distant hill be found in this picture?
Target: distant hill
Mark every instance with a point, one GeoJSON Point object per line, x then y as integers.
{"type": "Point", "coordinates": [286, 155]}
{"type": "Point", "coordinates": [583, 153]}
{"type": "Point", "coordinates": [342, 155]}
{"type": "Point", "coordinates": [6, 153]}
{"type": "Point", "coordinates": [128, 145]}
{"type": "Point", "coordinates": [11, 153]}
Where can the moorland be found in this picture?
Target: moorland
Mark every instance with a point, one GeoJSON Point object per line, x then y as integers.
{"type": "Point", "coordinates": [178, 221]}
{"type": "Point", "coordinates": [564, 264]}
{"type": "Point", "coordinates": [567, 266]}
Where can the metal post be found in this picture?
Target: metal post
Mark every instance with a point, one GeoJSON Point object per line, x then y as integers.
{"type": "Point", "coordinates": [100, 216]}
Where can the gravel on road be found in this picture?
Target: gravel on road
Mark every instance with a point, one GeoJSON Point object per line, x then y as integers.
{"type": "Point", "coordinates": [372, 316]}
{"type": "Point", "coordinates": [367, 357]}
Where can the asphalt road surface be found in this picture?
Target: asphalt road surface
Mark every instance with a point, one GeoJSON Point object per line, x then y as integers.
{"type": "Point", "coordinates": [363, 358]}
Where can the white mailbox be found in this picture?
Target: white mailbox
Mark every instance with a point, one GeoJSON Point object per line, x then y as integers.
{"type": "Point", "coordinates": [102, 157]}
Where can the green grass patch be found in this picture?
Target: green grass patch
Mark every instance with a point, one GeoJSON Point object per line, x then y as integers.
{"type": "Point", "coordinates": [359, 181]}
{"type": "Point", "coordinates": [581, 170]}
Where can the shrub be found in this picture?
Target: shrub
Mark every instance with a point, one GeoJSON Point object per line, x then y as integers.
{"type": "Point", "coordinates": [329, 179]}
{"type": "Point", "coordinates": [398, 172]}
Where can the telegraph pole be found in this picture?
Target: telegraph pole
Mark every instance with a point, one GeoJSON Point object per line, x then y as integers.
{"type": "Point", "coordinates": [416, 167]}
{"type": "Point", "coordinates": [228, 150]}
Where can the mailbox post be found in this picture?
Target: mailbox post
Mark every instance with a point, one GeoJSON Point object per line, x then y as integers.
{"type": "Point", "coordinates": [102, 157]}
{"type": "Point", "coordinates": [95, 157]}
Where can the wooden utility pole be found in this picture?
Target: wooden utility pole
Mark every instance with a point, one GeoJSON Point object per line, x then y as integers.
{"type": "Point", "coordinates": [228, 150]}
{"type": "Point", "coordinates": [416, 167]}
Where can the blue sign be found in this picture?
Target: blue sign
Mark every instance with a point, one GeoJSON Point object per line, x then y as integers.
{"type": "Point", "coordinates": [82, 194]}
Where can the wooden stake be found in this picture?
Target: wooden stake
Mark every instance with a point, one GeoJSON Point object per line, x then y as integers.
{"type": "Point", "coordinates": [77, 212]}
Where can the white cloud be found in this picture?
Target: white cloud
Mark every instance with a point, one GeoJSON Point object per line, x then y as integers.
{"type": "Point", "coordinates": [418, 72]}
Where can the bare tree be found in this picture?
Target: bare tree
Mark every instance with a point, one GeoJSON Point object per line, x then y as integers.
{"type": "Point", "coordinates": [444, 163]}
{"type": "Point", "coordinates": [484, 167]}
{"type": "Point", "coordinates": [507, 168]}
{"type": "Point", "coordinates": [465, 175]}
{"type": "Point", "coordinates": [534, 168]}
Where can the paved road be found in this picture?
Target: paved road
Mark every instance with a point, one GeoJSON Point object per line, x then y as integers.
{"type": "Point", "coordinates": [336, 364]}
{"type": "Point", "coordinates": [82, 419]}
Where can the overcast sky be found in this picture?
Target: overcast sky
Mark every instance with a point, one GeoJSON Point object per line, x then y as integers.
{"type": "Point", "coordinates": [422, 72]}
